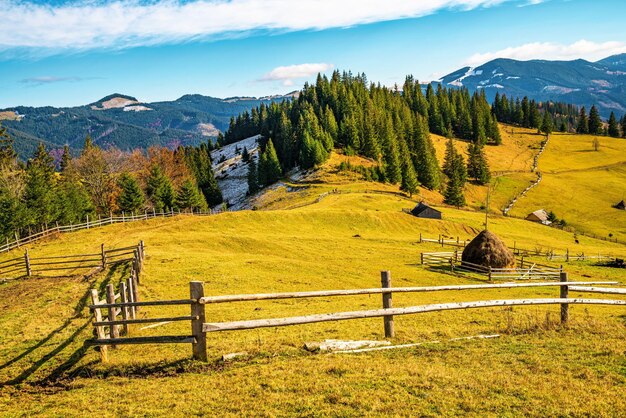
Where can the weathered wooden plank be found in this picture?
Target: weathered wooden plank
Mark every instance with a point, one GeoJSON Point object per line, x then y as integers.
{"type": "Point", "coordinates": [605, 290]}
{"type": "Point", "coordinates": [340, 316]}
{"type": "Point", "coordinates": [351, 292]}
{"type": "Point", "coordinates": [143, 340]}
{"type": "Point", "coordinates": [181, 302]}
{"type": "Point", "coordinates": [199, 348]}
{"type": "Point", "coordinates": [144, 321]}
{"type": "Point", "coordinates": [95, 299]}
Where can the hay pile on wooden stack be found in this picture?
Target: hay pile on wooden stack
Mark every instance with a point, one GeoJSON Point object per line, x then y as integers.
{"type": "Point", "coordinates": [488, 250]}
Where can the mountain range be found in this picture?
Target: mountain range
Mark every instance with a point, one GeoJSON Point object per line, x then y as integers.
{"type": "Point", "coordinates": [125, 122]}
{"type": "Point", "coordinates": [584, 83]}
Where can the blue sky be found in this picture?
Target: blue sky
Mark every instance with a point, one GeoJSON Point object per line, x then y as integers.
{"type": "Point", "coordinates": [73, 52]}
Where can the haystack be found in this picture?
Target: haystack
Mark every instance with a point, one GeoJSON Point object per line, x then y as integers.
{"type": "Point", "coordinates": [488, 250]}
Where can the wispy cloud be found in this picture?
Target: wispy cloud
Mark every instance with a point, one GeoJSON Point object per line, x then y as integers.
{"type": "Point", "coordinates": [288, 73]}
{"type": "Point", "coordinates": [88, 24]}
{"type": "Point", "coordinates": [39, 81]}
{"type": "Point", "coordinates": [588, 50]}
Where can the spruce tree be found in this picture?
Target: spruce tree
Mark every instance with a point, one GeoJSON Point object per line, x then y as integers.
{"type": "Point", "coordinates": [269, 165]}
{"type": "Point", "coordinates": [74, 202]}
{"type": "Point", "coordinates": [160, 190]}
{"type": "Point", "coordinates": [66, 158]}
{"type": "Point", "coordinates": [624, 126]}
{"type": "Point", "coordinates": [131, 197]}
{"type": "Point", "coordinates": [40, 188]}
{"type": "Point", "coordinates": [409, 178]}
{"type": "Point", "coordinates": [583, 123]}
{"type": "Point", "coordinates": [245, 155]}
{"type": "Point", "coordinates": [477, 166]}
{"type": "Point", "coordinates": [454, 168]}
{"type": "Point", "coordinates": [595, 123]}
{"type": "Point", "coordinates": [546, 124]}
{"type": "Point", "coordinates": [7, 153]}
{"type": "Point", "coordinates": [425, 159]}
{"type": "Point", "coordinates": [189, 197]}
{"type": "Point", "coordinates": [613, 126]}
{"type": "Point", "coordinates": [253, 177]}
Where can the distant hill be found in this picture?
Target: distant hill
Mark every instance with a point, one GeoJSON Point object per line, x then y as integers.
{"type": "Point", "coordinates": [580, 82]}
{"type": "Point", "coordinates": [126, 122]}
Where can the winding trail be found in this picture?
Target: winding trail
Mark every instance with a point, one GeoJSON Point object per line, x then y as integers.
{"type": "Point", "coordinates": [534, 184]}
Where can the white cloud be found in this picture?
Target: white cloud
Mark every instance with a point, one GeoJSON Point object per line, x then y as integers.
{"type": "Point", "coordinates": [87, 24]}
{"type": "Point", "coordinates": [588, 50]}
{"type": "Point", "coordinates": [288, 73]}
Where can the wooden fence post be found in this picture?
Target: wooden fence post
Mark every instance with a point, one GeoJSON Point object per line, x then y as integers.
{"type": "Point", "coordinates": [124, 299]}
{"type": "Point", "coordinates": [103, 256]}
{"type": "Point", "coordinates": [490, 273]}
{"type": "Point", "coordinates": [135, 284]}
{"type": "Point", "coordinates": [196, 291]}
{"type": "Point", "coordinates": [564, 294]}
{"type": "Point", "coordinates": [567, 255]}
{"type": "Point", "coordinates": [114, 330]}
{"type": "Point", "coordinates": [131, 297]}
{"type": "Point", "coordinates": [385, 279]}
{"type": "Point", "coordinates": [87, 221]}
{"type": "Point", "coordinates": [29, 272]}
{"type": "Point", "coordinates": [141, 246]}
{"type": "Point", "coordinates": [420, 237]}
{"type": "Point", "coordinates": [17, 240]}
{"type": "Point", "coordinates": [97, 314]}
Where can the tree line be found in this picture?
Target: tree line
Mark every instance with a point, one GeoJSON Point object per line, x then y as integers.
{"type": "Point", "coordinates": [549, 116]}
{"type": "Point", "coordinates": [390, 126]}
{"type": "Point", "coordinates": [42, 191]}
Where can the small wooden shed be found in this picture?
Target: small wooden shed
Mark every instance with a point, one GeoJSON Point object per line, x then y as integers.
{"type": "Point", "coordinates": [621, 205]}
{"type": "Point", "coordinates": [540, 216]}
{"type": "Point", "coordinates": [422, 210]}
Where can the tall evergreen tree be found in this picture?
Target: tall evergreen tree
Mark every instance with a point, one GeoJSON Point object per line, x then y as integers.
{"type": "Point", "coordinates": [454, 168]}
{"type": "Point", "coordinates": [409, 178]}
{"type": "Point", "coordinates": [613, 126]}
{"type": "Point", "coordinates": [253, 177]}
{"type": "Point", "coordinates": [269, 166]}
{"type": "Point", "coordinates": [160, 189]}
{"type": "Point", "coordinates": [40, 190]}
{"type": "Point", "coordinates": [477, 166]}
{"type": "Point", "coordinates": [189, 197]}
{"type": "Point", "coordinates": [546, 124]}
{"type": "Point", "coordinates": [583, 123]}
{"type": "Point", "coordinates": [624, 126]}
{"type": "Point", "coordinates": [595, 123]}
{"type": "Point", "coordinates": [7, 152]}
{"type": "Point", "coordinates": [66, 158]}
{"type": "Point", "coordinates": [131, 197]}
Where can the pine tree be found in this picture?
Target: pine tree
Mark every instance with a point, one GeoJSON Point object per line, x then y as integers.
{"type": "Point", "coordinates": [160, 189]}
{"type": "Point", "coordinates": [425, 159]}
{"type": "Point", "coordinates": [624, 126]}
{"type": "Point", "coordinates": [454, 168]}
{"type": "Point", "coordinates": [189, 197]}
{"type": "Point", "coordinates": [253, 177]}
{"type": "Point", "coordinates": [131, 197]}
{"type": "Point", "coordinates": [613, 126]}
{"type": "Point", "coordinates": [583, 123]}
{"type": "Point", "coordinates": [73, 200]}
{"type": "Point", "coordinates": [40, 189]}
{"type": "Point", "coordinates": [88, 144]}
{"type": "Point", "coordinates": [546, 124]}
{"type": "Point", "coordinates": [477, 166]}
{"type": "Point", "coordinates": [595, 123]}
{"type": "Point", "coordinates": [66, 158]}
{"type": "Point", "coordinates": [409, 178]}
{"type": "Point", "coordinates": [270, 166]}
{"type": "Point", "coordinates": [245, 155]}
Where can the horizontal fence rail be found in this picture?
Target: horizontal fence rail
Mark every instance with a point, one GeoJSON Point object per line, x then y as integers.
{"type": "Point", "coordinates": [374, 313]}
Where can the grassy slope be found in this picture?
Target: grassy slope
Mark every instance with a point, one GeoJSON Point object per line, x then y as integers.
{"type": "Point", "coordinates": [343, 241]}
{"type": "Point", "coordinates": [581, 185]}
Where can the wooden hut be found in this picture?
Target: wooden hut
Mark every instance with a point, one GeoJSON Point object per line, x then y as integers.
{"type": "Point", "coordinates": [422, 210]}
{"type": "Point", "coordinates": [621, 205]}
{"type": "Point", "coordinates": [540, 216]}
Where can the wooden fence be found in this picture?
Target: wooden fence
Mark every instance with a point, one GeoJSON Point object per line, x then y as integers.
{"type": "Point", "coordinates": [27, 265]}
{"type": "Point", "coordinates": [109, 333]}
{"type": "Point", "coordinates": [94, 223]}
{"type": "Point", "coordinates": [524, 269]}
{"type": "Point", "coordinates": [549, 254]}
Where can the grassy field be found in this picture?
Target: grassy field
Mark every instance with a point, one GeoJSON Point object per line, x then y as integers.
{"type": "Point", "coordinates": [312, 240]}
{"type": "Point", "coordinates": [341, 242]}
{"type": "Point", "coordinates": [581, 185]}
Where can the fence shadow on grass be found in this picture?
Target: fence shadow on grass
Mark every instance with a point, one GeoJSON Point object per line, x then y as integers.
{"type": "Point", "coordinates": [74, 358]}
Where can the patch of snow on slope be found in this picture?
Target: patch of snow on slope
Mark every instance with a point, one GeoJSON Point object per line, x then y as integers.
{"type": "Point", "coordinates": [559, 89]}
{"type": "Point", "coordinates": [115, 103]}
{"type": "Point", "coordinates": [497, 86]}
{"type": "Point", "coordinates": [232, 173]}
{"type": "Point", "coordinates": [136, 108]}
{"type": "Point", "coordinates": [459, 81]}
{"type": "Point", "coordinates": [511, 77]}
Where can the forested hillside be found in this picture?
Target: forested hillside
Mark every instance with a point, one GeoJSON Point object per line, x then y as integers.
{"type": "Point", "coordinates": [100, 181]}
